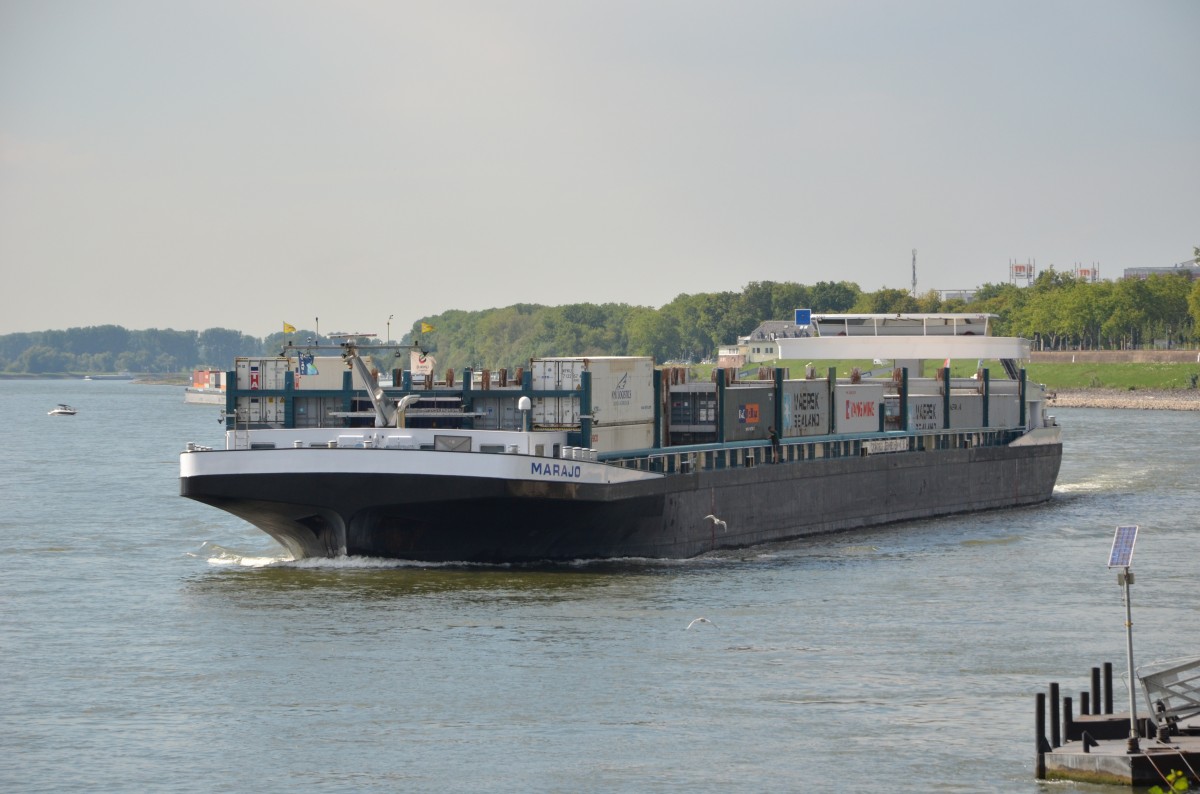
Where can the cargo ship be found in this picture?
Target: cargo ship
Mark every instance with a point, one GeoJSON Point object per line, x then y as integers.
{"type": "Point", "coordinates": [207, 388]}
{"type": "Point", "coordinates": [611, 457]}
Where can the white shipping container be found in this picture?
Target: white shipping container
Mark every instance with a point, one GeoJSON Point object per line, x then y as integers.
{"type": "Point", "coordinates": [1004, 410]}
{"type": "Point", "coordinates": [260, 410]}
{"type": "Point", "coordinates": [615, 438]}
{"type": "Point", "coordinates": [261, 373]}
{"type": "Point", "coordinates": [858, 407]}
{"type": "Point", "coordinates": [323, 372]}
{"type": "Point", "coordinates": [805, 408]}
{"type": "Point", "coordinates": [966, 410]}
{"type": "Point", "coordinates": [622, 386]}
{"type": "Point", "coordinates": [555, 412]}
{"type": "Point", "coordinates": [925, 413]}
{"type": "Point", "coordinates": [622, 389]}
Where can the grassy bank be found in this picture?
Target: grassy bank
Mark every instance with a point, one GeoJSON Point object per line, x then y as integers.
{"type": "Point", "coordinates": [1128, 376]}
{"type": "Point", "coordinates": [1116, 376]}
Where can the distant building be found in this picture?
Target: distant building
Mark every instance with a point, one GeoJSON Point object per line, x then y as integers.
{"type": "Point", "coordinates": [1191, 269]}
{"type": "Point", "coordinates": [759, 345]}
{"type": "Point", "coordinates": [964, 295]}
{"type": "Point", "coordinates": [731, 357]}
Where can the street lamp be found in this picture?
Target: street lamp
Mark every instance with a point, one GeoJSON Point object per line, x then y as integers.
{"type": "Point", "coordinates": [389, 328]}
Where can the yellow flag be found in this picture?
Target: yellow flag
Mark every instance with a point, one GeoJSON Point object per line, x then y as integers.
{"type": "Point", "coordinates": [426, 328]}
{"type": "Point", "coordinates": [288, 328]}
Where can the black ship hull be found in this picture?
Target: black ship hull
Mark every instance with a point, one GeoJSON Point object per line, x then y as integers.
{"type": "Point", "coordinates": [446, 518]}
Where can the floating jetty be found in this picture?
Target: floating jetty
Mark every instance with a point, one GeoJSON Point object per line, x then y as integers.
{"type": "Point", "coordinates": [1100, 746]}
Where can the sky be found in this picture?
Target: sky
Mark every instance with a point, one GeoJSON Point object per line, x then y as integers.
{"type": "Point", "coordinates": [193, 164]}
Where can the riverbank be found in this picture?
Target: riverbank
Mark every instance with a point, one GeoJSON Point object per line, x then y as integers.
{"type": "Point", "coordinates": [1143, 399]}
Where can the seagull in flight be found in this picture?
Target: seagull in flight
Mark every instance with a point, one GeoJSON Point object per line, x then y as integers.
{"type": "Point", "coordinates": [718, 522]}
{"type": "Point", "coordinates": [702, 620]}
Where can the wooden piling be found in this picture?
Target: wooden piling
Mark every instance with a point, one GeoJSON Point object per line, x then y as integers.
{"type": "Point", "coordinates": [1040, 738]}
{"type": "Point", "coordinates": [1108, 688]}
{"type": "Point", "coordinates": [1054, 725]}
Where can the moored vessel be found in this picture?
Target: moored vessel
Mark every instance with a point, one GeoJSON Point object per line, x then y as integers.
{"type": "Point", "coordinates": [581, 458]}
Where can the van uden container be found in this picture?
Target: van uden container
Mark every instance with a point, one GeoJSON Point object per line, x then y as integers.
{"type": "Point", "coordinates": [614, 438]}
{"type": "Point", "coordinates": [857, 408]}
{"type": "Point", "coordinates": [748, 412]}
{"type": "Point", "coordinates": [622, 389]}
{"type": "Point", "coordinates": [805, 408]}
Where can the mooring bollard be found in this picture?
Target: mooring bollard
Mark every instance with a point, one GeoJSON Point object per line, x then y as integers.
{"type": "Point", "coordinates": [1108, 691]}
{"type": "Point", "coordinates": [1085, 703]}
{"type": "Point", "coordinates": [1054, 734]}
{"type": "Point", "coordinates": [1040, 728]}
{"type": "Point", "coordinates": [1068, 719]}
{"type": "Point", "coordinates": [1096, 690]}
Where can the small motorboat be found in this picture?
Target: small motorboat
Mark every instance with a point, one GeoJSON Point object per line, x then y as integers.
{"type": "Point", "coordinates": [62, 410]}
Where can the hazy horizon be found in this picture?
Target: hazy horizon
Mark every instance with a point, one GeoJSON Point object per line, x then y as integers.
{"type": "Point", "coordinates": [194, 165]}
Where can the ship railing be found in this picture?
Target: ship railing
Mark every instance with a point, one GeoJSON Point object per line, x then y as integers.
{"type": "Point", "coordinates": [700, 457]}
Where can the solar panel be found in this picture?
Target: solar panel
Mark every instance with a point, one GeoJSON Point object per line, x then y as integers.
{"type": "Point", "coordinates": [1122, 548]}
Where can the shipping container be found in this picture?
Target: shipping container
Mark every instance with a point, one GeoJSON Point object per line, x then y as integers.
{"type": "Point", "coordinates": [556, 411]}
{"type": "Point", "coordinates": [925, 413]}
{"type": "Point", "coordinates": [805, 408]}
{"type": "Point", "coordinates": [748, 412]}
{"type": "Point", "coordinates": [264, 411]}
{"type": "Point", "coordinates": [319, 372]}
{"type": "Point", "coordinates": [261, 373]}
{"type": "Point", "coordinates": [966, 410]}
{"type": "Point", "coordinates": [857, 408]}
{"type": "Point", "coordinates": [622, 388]}
{"type": "Point", "coordinates": [615, 438]}
{"type": "Point", "coordinates": [1004, 410]}
{"type": "Point", "coordinates": [496, 412]}
{"type": "Point", "coordinates": [693, 408]}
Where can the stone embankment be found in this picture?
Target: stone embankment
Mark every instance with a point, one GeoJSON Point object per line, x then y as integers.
{"type": "Point", "coordinates": [1144, 399]}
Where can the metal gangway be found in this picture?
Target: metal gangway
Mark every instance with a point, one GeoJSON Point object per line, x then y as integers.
{"type": "Point", "coordinates": [1172, 690]}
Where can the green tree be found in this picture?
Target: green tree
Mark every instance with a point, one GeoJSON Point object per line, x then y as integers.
{"type": "Point", "coordinates": [885, 301]}
{"type": "Point", "coordinates": [218, 347]}
{"type": "Point", "coordinates": [43, 359]}
{"type": "Point", "coordinates": [834, 296]}
{"type": "Point", "coordinates": [1194, 307]}
{"type": "Point", "coordinates": [1167, 313]}
{"type": "Point", "coordinates": [652, 333]}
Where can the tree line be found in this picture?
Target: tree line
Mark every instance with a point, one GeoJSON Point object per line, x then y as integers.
{"type": "Point", "coordinates": [1057, 311]}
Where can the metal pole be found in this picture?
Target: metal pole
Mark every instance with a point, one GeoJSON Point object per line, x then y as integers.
{"type": "Point", "coordinates": [1126, 578]}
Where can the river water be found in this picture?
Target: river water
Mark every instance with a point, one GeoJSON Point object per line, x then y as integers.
{"type": "Point", "coordinates": [154, 644]}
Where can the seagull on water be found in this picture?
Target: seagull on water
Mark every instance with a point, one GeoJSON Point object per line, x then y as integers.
{"type": "Point", "coordinates": [702, 620]}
